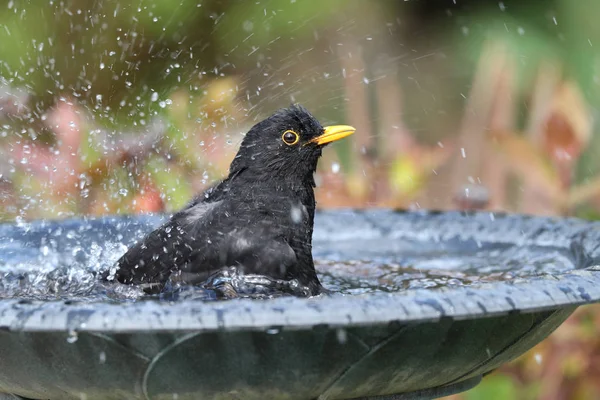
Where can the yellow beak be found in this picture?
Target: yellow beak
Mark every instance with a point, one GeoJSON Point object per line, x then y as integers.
{"type": "Point", "coordinates": [333, 133]}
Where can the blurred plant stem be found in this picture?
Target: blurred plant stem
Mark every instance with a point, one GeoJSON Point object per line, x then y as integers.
{"type": "Point", "coordinates": [489, 107]}
{"type": "Point", "coordinates": [387, 166]}
{"type": "Point", "coordinates": [358, 115]}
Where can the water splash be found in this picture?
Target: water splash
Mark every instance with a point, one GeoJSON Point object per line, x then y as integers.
{"type": "Point", "coordinates": [63, 261]}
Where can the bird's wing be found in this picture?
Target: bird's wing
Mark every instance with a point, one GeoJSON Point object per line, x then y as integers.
{"type": "Point", "coordinates": [167, 248]}
{"type": "Point", "coordinates": [204, 238]}
{"type": "Point", "coordinates": [256, 248]}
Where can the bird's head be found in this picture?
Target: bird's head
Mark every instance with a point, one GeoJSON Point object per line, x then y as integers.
{"type": "Point", "coordinates": [287, 145]}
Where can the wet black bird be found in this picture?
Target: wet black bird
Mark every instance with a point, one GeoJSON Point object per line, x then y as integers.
{"type": "Point", "coordinates": [259, 219]}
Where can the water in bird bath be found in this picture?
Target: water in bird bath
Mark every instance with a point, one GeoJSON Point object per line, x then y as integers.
{"type": "Point", "coordinates": [63, 264]}
{"type": "Point", "coordinates": [434, 269]}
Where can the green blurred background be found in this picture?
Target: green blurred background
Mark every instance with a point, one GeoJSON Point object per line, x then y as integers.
{"type": "Point", "coordinates": [119, 107]}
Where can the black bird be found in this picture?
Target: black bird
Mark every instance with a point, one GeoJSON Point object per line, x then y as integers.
{"type": "Point", "coordinates": [259, 219]}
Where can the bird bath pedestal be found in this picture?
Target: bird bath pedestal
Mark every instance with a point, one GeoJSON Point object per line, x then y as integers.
{"type": "Point", "coordinates": [508, 282]}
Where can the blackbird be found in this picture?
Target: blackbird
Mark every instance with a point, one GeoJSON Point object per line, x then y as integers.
{"type": "Point", "coordinates": [259, 219]}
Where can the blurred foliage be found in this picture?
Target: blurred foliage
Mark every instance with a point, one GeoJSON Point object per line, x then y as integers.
{"type": "Point", "coordinates": [115, 107]}
{"type": "Point", "coordinates": [497, 387]}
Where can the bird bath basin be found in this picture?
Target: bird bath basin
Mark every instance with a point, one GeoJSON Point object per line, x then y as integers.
{"type": "Point", "coordinates": [423, 305]}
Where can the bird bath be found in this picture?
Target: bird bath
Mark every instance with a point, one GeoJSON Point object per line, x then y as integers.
{"type": "Point", "coordinates": [423, 305]}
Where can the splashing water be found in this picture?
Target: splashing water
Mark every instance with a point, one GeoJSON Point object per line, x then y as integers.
{"type": "Point", "coordinates": [64, 260]}
{"type": "Point", "coordinates": [56, 277]}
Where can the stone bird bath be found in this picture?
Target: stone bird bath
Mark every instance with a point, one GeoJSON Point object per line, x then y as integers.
{"type": "Point", "coordinates": [424, 304]}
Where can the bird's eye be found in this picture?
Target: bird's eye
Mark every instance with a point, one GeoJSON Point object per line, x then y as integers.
{"type": "Point", "coordinates": [290, 138]}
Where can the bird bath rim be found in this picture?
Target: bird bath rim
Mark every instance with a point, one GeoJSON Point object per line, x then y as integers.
{"type": "Point", "coordinates": [537, 293]}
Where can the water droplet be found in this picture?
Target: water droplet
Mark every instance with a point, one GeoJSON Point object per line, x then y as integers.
{"type": "Point", "coordinates": [248, 26]}
{"type": "Point", "coordinates": [342, 335]}
{"type": "Point", "coordinates": [538, 358]}
{"type": "Point", "coordinates": [273, 331]}
{"type": "Point", "coordinates": [296, 214]}
{"type": "Point", "coordinates": [102, 357]}
{"type": "Point", "coordinates": [72, 336]}
{"type": "Point", "coordinates": [335, 167]}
